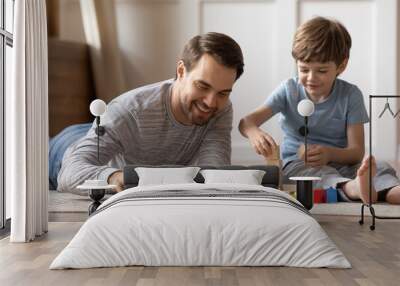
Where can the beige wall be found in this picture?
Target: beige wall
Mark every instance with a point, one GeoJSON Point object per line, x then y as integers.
{"type": "Point", "coordinates": [151, 34]}
{"type": "Point", "coordinates": [70, 21]}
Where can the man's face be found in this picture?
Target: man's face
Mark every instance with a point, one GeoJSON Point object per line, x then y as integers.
{"type": "Point", "coordinates": [204, 90]}
{"type": "Point", "coordinates": [317, 78]}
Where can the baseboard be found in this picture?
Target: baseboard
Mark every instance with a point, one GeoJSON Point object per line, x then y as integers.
{"type": "Point", "coordinates": [354, 209]}
{"type": "Point", "coordinates": [72, 216]}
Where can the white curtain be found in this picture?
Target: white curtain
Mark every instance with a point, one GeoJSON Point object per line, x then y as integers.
{"type": "Point", "coordinates": [27, 123]}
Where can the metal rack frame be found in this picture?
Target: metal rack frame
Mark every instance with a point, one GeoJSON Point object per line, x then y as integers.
{"type": "Point", "coordinates": [370, 204]}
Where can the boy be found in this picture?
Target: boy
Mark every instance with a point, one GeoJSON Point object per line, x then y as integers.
{"type": "Point", "coordinates": [321, 49]}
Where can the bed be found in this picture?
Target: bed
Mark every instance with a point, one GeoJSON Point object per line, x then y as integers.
{"type": "Point", "coordinates": [200, 224]}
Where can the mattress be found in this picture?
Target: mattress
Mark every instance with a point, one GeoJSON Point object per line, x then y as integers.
{"type": "Point", "coordinates": [201, 225]}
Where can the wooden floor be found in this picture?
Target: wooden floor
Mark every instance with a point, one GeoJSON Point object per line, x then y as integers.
{"type": "Point", "coordinates": [374, 255]}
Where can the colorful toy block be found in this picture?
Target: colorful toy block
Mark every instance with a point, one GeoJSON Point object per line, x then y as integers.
{"type": "Point", "coordinates": [331, 195]}
{"type": "Point", "coordinates": [319, 196]}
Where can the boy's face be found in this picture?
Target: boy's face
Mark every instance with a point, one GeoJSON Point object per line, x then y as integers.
{"type": "Point", "coordinates": [318, 78]}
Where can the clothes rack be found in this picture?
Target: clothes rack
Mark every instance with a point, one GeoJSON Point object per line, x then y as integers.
{"type": "Point", "coordinates": [387, 107]}
{"type": "Point", "coordinates": [370, 204]}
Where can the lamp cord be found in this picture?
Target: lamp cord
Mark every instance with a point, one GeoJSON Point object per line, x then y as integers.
{"type": "Point", "coordinates": [98, 145]}
{"type": "Point", "coordinates": [98, 141]}
{"type": "Point", "coordinates": [305, 140]}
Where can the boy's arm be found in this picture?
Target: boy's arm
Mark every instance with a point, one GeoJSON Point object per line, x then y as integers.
{"type": "Point", "coordinates": [354, 152]}
{"type": "Point", "coordinates": [319, 155]}
{"type": "Point", "coordinates": [262, 142]}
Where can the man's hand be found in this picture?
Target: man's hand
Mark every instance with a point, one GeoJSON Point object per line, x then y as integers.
{"type": "Point", "coordinates": [317, 155]}
{"type": "Point", "coordinates": [117, 178]}
{"type": "Point", "coordinates": [262, 142]}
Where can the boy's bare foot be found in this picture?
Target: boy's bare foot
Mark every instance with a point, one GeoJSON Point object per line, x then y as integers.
{"type": "Point", "coordinates": [393, 196]}
{"type": "Point", "coordinates": [363, 179]}
{"type": "Point", "coordinates": [359, 187]}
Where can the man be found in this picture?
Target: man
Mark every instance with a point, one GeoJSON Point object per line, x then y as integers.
{"type": "Point", "coordinates": [183, 121]}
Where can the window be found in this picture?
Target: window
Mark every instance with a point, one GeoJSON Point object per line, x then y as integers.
{"type": "Point", "coordinates": [6, 44]}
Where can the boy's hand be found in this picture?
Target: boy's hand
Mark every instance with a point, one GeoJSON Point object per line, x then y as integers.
{"type": "Point", "coordinates": [301, 152]}
{"type": "Point", "coordinates": [262, 143]}
{"type": "Point", "coordinates": [117, 178]}
{"type": "Point", "coordinates": [317, 155]}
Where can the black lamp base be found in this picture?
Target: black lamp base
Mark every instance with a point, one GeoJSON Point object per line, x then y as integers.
{"type": "Point", "coordinates": [96, 195]}
{"type": "Point", "coordinates": [304, 193]}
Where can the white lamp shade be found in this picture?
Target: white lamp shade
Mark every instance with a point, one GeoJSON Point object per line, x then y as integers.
{"type": "Point", "coordinates": [305, 107]}
{"type": "Point", "coordinates": [98, 107]}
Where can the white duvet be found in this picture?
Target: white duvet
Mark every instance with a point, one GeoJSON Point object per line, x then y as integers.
{"type": "Point", "coordinates": [265, 229]}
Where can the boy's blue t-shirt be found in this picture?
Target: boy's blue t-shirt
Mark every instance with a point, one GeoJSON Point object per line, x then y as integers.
{"type": "Point", "coordinates": [327, 125]}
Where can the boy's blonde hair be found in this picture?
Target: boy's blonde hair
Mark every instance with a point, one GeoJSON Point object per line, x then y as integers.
{"type": "Point", "coordinates": [321, 40]}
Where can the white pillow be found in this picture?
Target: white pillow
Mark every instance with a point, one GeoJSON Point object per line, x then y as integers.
{"type": "Point", "coordinates": [163, 176]}
{"type": "Point", "coordinates": [249, 177]}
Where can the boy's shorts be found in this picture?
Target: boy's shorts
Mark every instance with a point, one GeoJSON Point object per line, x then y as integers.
{"type": "Point", "coordinates": [342, 197]}
{"type": "Point", "coordinates": [334, 174]}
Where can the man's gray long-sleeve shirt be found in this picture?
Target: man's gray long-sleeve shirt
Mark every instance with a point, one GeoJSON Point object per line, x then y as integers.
{"type": "Point", "coordinates": [141, 129]}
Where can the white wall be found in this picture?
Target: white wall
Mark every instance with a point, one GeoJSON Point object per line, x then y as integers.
{"type": "Point", "coordinates": [261, 60]}
{"type": "Point", "coordinates": [264, 29]}
{"type": "Point", "coordinates": [149, 41]}
{"type": "Point", "coordinates": [151, 34]}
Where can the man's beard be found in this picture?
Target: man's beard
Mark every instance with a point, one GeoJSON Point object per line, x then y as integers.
{"type": "Point", "coordinates": [188, 111]}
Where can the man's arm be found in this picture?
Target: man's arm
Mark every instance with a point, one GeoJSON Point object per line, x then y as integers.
{"type": "Point", "coordinates": [216, 149]}
{"type": "Point", "coordinates": [80, 161]}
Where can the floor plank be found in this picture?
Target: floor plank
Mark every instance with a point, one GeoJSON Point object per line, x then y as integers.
{"type": "Point", "coordinates": [375, 257]}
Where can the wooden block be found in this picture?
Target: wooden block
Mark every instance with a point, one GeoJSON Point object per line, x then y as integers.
{"type": "Point", "coordinates": [275, 160]}
{"type": "Point", "coordinates": [319, 196]}
{"type": "Point", "coordinates": [331, 195]}
{"type": "Point", "coordinates": [275, 155]}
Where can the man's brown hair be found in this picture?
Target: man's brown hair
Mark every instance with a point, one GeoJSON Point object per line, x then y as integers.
{"type": "Point", "coordinates": [221, 47]}
{"type": "Point", "coordinates": [321, 40]}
